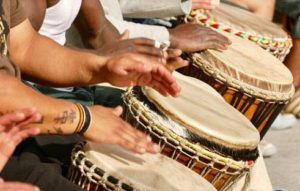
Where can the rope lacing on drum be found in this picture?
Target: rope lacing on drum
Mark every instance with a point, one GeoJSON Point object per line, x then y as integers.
{"type": "Point", "coordinates": [268, 43]}
{"type": "Point", "coordinates": [261, 95]}
{"type": "Point", "coordinates": [165, 139]}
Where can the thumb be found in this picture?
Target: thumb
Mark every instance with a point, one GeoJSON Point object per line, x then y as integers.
{"type": "Point", "coordinates": [176, 63]}
{"type": "Point", "coordinates": [118, 110]}
{"type": "Point", "coordinates": [124, 35]}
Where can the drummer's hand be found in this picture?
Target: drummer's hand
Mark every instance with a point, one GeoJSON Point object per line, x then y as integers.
{"type": "Point", "coordinates": [205, 4]}
{"type": "Point", "coordinates": [135, 45]}
{"type": "Point", "coordinates": [132, 69]}
{"type": "Point", "coordinates": [194, 37]}
{"type": "Point", "coordinates": [174, 60]}
{"type": "Point", "coordinates": [108, 128]}
{"type": "Point", "coordinates": [12, 131]}
{"type": "Point", "coordinates": [16, 186]}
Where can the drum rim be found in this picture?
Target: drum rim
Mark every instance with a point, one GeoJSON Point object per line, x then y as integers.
{"type": "Point", "coordinates": [249, 89]}
{"type": "Point", "coordinates": [131, 101]}
{"type": "Point", "coordinates": [78, 156]}
{"type": "Point", "coordinates": [277, 46]}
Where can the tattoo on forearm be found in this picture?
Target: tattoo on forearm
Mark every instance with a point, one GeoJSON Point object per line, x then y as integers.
{"type": "Point", "coordinates": [5, 112]}
{"type": "Point", "coordinates": [66, 116]}
{"type": "Point", "coordinates": [56, 131]}
{"type": "Point", "coordinates": [50, 133]}
{"type": "Point", "coordinates": [40, 121]}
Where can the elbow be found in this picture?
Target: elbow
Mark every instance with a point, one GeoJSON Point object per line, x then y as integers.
{"type": "Point", "coordinates": [10, 85]}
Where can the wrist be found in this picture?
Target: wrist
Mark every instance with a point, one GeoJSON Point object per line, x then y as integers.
{"type": "Point", "coordinates": [85, 119]}
{"type": "Point", "coordinates": [173, 39]}
{"type": "Point", "coordinates": [97, 69]}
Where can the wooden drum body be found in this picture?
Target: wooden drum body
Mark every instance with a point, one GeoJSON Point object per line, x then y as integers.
{"type": "Point", "coordinates": [192, 132]}
{"type": "Point", "coordinates": [245, 25]}
{"type": "Point", "coordinates": [111, 168]}
{"type": "Point", "coordinates": [253, 81]}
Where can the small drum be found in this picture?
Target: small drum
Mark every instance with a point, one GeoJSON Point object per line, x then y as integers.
{"type": "Point", "coordinates": [246, 25]}
{"type": "Point", "coordinates": [253, 81]}
{"type": "Point", "coordinates": [109, 167]}
{"type": "Point", "coordinates": [197, 129]}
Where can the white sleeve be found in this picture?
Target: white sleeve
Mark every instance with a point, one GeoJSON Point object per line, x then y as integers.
{"type": "Point", "coordinates": [113, 14]}
{"type": "Point", "coordinates": [140, 30]}
{"type": "Point", "coordinates": [155, 8]}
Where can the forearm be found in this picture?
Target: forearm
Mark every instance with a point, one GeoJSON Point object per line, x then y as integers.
{"type": "Point", "coordinates": [94, 28]}
{"type": "Point", "coordinates": [154, 8]}
{"type": "Point", "coordinates": [59, 117]}
{"type": "Point", "coordinates": [48, 63]}
{"type": "Point", "coordinates": [139, 30]}
{"type": "Point", "coordinates": [107, 34]}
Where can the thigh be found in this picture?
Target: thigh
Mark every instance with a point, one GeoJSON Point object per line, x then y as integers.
{"type": "Point", "coordinates": [83, 95]}
{"type": "Point", "coordinates": [28, 167]}
{"type": "Point", "coordinates": [57, 149]}
{"type": "Point", "coordinates": [107, 96]}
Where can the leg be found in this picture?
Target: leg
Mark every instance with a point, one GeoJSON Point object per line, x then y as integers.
{"type": "Point", "coordinates": [28, 166]}
{"type": "Point", "coordinates": [258, 178]}
{"type": "Point", "coordinates": [293, 61]}
{"type": "Point", "coordinates": [108, 96]}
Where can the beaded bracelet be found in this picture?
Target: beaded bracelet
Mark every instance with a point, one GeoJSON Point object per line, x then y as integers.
{"type": "Point", "coordinates": [85, 119]}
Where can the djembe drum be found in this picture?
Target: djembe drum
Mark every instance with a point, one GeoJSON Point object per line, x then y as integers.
{"type": "Point", "coordinates": [251, 80]}
{"type": "Point", "coordinates": [107, 167]}
{"type": "Point", "coordinates": [246, 25]}
{"type": "Point", "coordinates": [198, 129]}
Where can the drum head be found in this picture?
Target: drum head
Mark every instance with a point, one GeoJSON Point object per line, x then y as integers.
{"type": "Point", "coordinates": [246, 25]}
{"type": "Point", "coordinates": [206, 116]}
{"type": "Point", "coordinates": [248, 66]}
{"type": "Point", "coordinates": [145, 172]}
{"type": "Point", "coordinates": [245, 21]}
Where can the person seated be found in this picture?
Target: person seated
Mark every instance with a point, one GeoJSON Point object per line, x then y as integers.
{"type": "Point", "coordinates": [186, 37]}
{"type": "Point", "coordinates": [292, 10]}
{"type": "Point", "coordinates": [43, 61]}
{"type": "Point", "coordinates": [88, 17]}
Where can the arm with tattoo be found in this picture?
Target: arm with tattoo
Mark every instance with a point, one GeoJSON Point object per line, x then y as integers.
{"type": "Point", "coordinates": [60, 117]}
{"type": "Point", "coordinates": [57, 116]}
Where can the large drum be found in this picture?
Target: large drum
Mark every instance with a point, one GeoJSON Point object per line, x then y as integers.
{"type": "Point", "coordinates": [246, 25]}
{"type": "Point", "coordinates": [198, 129]}
{"type": "Point", "coordinates": [107, 167]}
{"type": "Point", "coordinates": [253, 81]}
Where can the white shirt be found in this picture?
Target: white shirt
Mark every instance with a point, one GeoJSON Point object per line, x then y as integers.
{"type": "Point", "coordinates": [58, 19]}
{"type": "Point", "coordinates": [116, 9]}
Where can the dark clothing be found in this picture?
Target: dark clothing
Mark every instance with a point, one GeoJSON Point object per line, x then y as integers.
{"type": "Point", "coordinates": [292, 9]}
{"type": "Point", "coordinates": [32, 164]}
{"type": "Point", "coordinates": [94, 95]}
{"type": "Point", "coordinates": [43, 163]}
{"type": "Point", "coordinates": [44, 160]}
{"type": "Point", "coordinates": [17, 14]}
{"type": "Point", "coordinates": [6, 66]}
